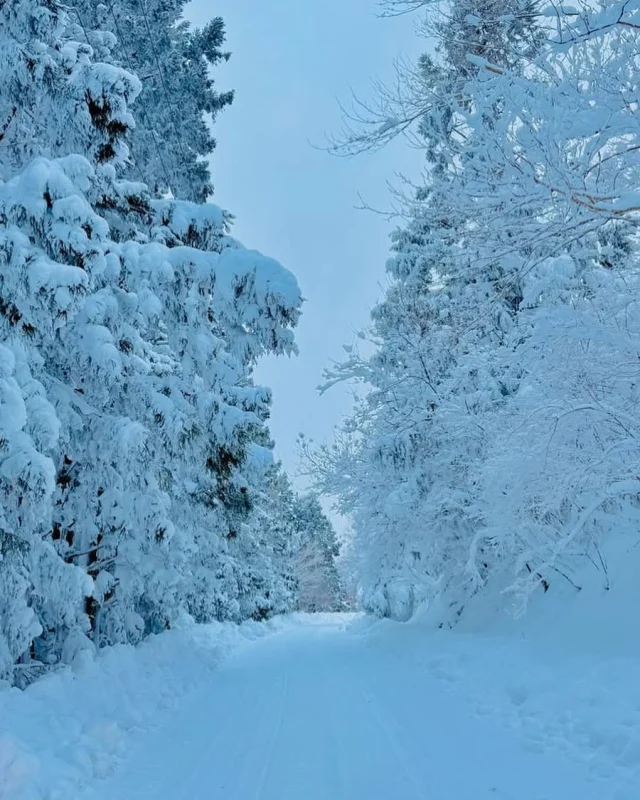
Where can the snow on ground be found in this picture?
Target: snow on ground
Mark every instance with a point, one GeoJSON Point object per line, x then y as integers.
{"type": "Point", "coordinates": [581, 708]}
{"type": "Point", "coordinates": [345, 707]}
{"type": "Point", "coordinates": [74, 726]}
{"type": "Point", "coordinates": [346, 710]}
{"type": "Point", "coordinates": [563, 679]}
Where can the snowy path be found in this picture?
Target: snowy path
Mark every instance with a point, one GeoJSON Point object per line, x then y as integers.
{"type": "Point", "coordinates": [319, 712]}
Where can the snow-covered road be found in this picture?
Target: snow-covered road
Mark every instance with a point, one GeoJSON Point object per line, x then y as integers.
{"type": "Point", "coordinates": [321, 712]}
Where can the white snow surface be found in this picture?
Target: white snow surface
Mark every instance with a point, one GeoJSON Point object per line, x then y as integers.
{"type": "Point", "coordinates": [330, 707]}
{"type": "Point", "coordinates": [75, 725]}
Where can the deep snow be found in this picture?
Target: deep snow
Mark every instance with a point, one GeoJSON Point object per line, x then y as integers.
{"type": "Point", "coordinates": [345, 710]}
{"type": "Point", "coordinates": [74, 726]}
{"type": "Point", "coordinates": [331, 707]}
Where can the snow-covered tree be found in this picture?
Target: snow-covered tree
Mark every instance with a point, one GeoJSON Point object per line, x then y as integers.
{"type": "Point", "coordinates": [560, 476]}
{"type": "Point", "coordinates": [178, 102]}
{"type": "Point", "coordinates": [48, 257]}
{"type": "Point", "coordinates": [55, 101]}
{"type": "Point", "coordinates": [314, 559]}
{"type": "Point", "coordinates": [408, 471]}
{"type": "Point", "coordinates": [430, 99]}
{"type": "Point", "coordinates": [526, 217]}
{"type": "Point", "coordinates": [134, 439]}
{"type": "Point", "coordinates": [566, 152]}
{"type": "Point", "coordinates": [303, 547]}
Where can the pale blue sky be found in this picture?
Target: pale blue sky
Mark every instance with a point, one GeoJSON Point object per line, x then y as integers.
{"type": "Point", "coordinates": [292, 61]}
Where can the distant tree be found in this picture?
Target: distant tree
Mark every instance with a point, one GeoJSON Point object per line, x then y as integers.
{"type": "Point", "coordinates": [314, 559]}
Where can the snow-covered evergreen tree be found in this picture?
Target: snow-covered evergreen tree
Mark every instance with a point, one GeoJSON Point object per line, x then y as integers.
{"type": "Point", "coordinates": [50, 253]}
{"type": "Point", "coordinates": [55, 101]}
{"type": "Point", "coordinates": [178, 102]}
{"type": "Point", "coordinates": [134, 437]}
{"type": "Point", "coordinates": [304, 548]}
{"type": "Point", "coordinates": [317, 549]}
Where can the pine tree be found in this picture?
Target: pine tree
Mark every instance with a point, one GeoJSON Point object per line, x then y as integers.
{"type": "Point", "coordinates": [303, 547]}
{"type": "Point", "coordinates": [133, 434]}
{"type": "Point", "coordinates": [172, 139]}
{"type": "Point", "coordinates": [47, 258]}
{"type": "Point", "coordinates": [316, 552]}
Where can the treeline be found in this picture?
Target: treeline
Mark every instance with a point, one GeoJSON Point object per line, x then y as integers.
{"type": "Point", "coordinates": [495, 446]}
{"type": "Point", "coordinates": [136, 471]}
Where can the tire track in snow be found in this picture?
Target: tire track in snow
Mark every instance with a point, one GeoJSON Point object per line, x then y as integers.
{"type": "Point", "coordinates": [421, 791]}
{"type": "Point", "coordinates": [247, 748]}
{"type": "Point", "coordinates": [319, 716]}
{"type": "Point", "coordinates": [202, 760]}
{"type": "Point", "coordinates": [339, 745]}
{"type": "Point", "coordinates": [273, 739]}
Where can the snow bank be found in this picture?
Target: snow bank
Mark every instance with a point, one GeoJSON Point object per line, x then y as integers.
{"type": "Point", "coordinates": [595, 613]}
{"type": "Point", "coordinates": [564, 677]}
{"type": "Point", "coordinates": [72, 726]}
{"type": "Point", "coordinates": [584, 707]}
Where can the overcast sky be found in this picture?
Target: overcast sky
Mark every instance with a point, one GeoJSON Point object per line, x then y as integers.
{"type": "Point", "coordinates": [292, 61]}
